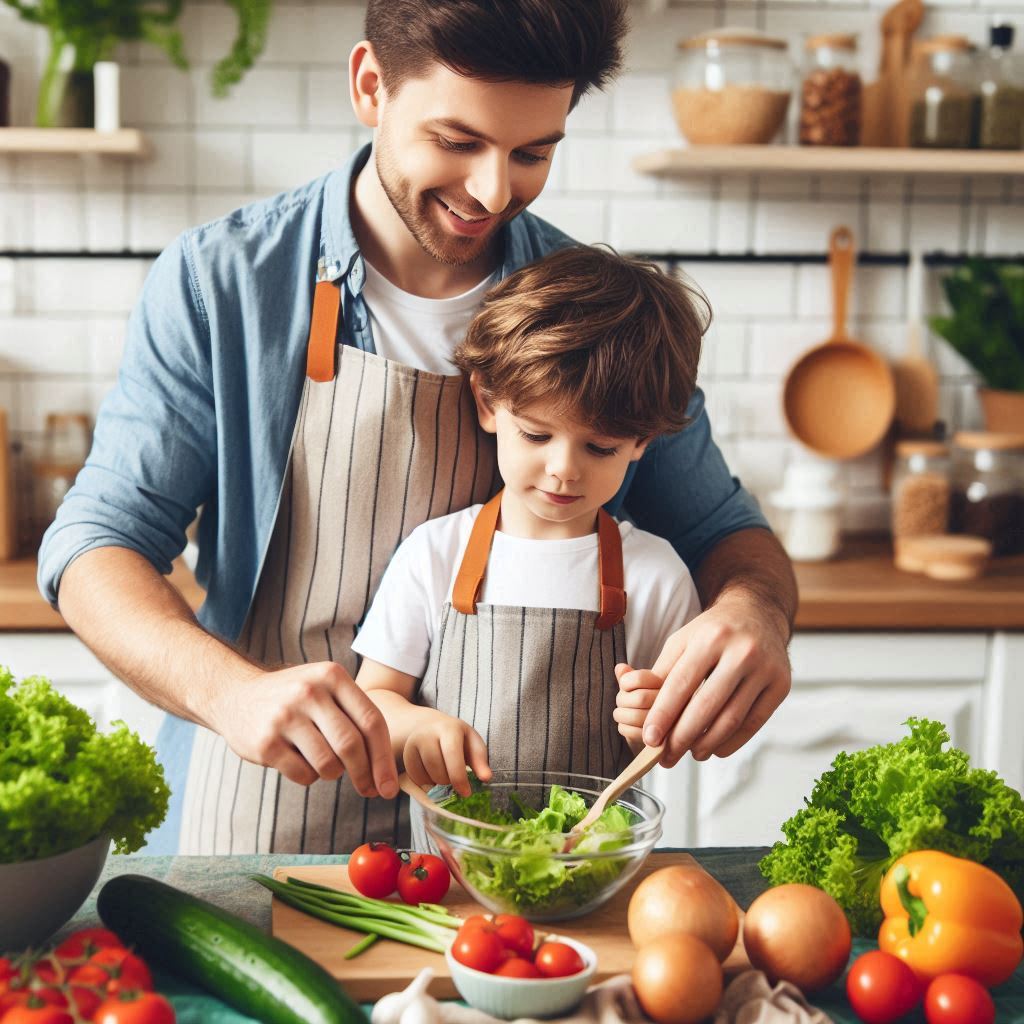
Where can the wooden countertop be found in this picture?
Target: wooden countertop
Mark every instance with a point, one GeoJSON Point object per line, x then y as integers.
{"type": "Point", "coordinates": [860, 589]}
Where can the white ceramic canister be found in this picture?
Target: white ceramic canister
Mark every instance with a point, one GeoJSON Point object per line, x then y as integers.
{"type": "Point", "coordinates": [809, 504]}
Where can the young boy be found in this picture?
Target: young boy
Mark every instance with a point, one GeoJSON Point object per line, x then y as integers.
{"type": "Point", "coordinates": [496, 633]}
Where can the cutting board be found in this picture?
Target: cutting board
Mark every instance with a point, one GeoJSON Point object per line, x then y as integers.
{"type": "Point", "coordinates": [389, 966]}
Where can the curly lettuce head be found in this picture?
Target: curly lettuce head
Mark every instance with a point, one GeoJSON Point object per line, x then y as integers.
{"type": "Point", "coordinates": [63, 783]}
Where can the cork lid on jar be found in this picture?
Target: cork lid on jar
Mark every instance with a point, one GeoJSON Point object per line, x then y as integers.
{"type": "Point", "coordinates": [982, 440]}
{"type": "Point", "coordinates": [720, 37]}
{"type": "Point", "coordinates": [944, 44]}
{"type": "Point", "coordinates": [831, 40]}
{"type": "Point", "coordinates": [932, 449]}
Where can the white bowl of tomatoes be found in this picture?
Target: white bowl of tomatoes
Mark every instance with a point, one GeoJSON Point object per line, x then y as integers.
{"type": "Point", "coordinates": [500, 966]}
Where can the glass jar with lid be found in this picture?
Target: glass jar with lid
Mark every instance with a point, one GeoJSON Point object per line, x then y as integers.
{"type": "Point", "coordinates": [731, 87]}
{"type": "Point", "coordinates": [1001, 92]}
{"type": "Point", "coordinates": [987, 497]}
{"type": "Point", "coordinates": [942, 94]}
{"type": "Point", "coordinates": [830, 95]}
{"type": "Point", "coordinates": [920, 489]}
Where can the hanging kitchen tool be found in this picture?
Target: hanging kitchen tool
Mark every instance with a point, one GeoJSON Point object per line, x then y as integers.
{"type": "Point", "coordinates": [839, 398]}
{"type": "Point", "coordinates": [8, 533]}
{"type": "Point", "coordinates": [883, 105]}
{"type": "Point", "coordinates": [917, 383]}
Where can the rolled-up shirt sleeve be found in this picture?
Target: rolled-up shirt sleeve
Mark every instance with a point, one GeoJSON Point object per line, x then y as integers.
{"type": "Point", "coordinates": [682, 490]}
{"type": "Point", "coordinates": [154, 452]}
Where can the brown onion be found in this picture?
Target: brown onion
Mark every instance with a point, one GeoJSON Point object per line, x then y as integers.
{"type": "Point", "coordinates": [797, 933]}
{"type": "Point", "coordinates": [677, 979]}
{"type": "Point", "coordinates": [683, 899]}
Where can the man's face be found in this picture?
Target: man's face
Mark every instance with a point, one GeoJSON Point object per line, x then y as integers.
{"type": "Point", "coordinates": [459, 157]}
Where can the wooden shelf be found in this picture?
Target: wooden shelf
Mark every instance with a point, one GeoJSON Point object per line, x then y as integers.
{"type": "Point", "coordinates": [862, 160]}
{"type": "Point", "coordinates": [127, 143]}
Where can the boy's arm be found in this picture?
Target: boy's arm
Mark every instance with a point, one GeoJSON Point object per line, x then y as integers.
{"type": "Point", "coordinates": [392, 692]}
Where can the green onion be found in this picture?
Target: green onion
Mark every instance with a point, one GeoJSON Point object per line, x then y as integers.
{"type": "Point", "coordinates": [363, 944]}
{"type": "Point", "coordinates": [427, 927]}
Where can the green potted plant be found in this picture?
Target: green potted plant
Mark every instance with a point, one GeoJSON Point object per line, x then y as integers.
{"type": "Point", "coordinates": [84, 32]}
{"type": "Point", "coordinates": [986, 327]}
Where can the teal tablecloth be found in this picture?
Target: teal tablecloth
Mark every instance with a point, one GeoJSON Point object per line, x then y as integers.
{"type": "Point", "coordinates": [225, 881]}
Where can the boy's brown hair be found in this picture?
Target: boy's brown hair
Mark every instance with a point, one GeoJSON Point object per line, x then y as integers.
{"type": "Point", "coordinates": [545, 42]}
{"type": "Point", "coordinates": [613, 342]}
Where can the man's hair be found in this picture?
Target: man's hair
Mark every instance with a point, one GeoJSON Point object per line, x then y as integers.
{"type": "Point", "coordinates": [545, 42]}
{"type": "Point", "coordinates": [612, 342]}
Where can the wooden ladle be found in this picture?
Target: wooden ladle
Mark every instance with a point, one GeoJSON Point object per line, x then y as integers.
{"type": "Point", "coordinates": [635, 770]}
{"type": "Point", "coordinates": [839, 397]}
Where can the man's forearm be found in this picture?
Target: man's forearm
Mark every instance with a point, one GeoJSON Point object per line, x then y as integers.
{"type": "Point", "coordinates": [750, 563]}
{"type": "Point", "coordinates": [140, 627]}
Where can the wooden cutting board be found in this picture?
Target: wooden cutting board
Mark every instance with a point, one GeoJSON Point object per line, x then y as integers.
{"type": "Point", "coordinates": [389, 966]}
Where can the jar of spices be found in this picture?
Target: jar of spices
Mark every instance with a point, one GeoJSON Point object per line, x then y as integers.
{"type": "Point", "coordinates": [920, 489]}
{"type": "Point", "coordinates": [987, 496]}
{"type": "Point", "coordinates": [942, 94]}
{"type": "Point", "coordinates": [732, 86]}
{"type": "Point", "coordinates": [1001, 93]}
{"type": "Point", "coordinates": [831, 91]}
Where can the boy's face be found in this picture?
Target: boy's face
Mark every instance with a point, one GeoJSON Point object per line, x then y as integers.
{"type": "Point", "coordinates": [558, 473]}
{"type": "Point", "coordinates": [459, 157]}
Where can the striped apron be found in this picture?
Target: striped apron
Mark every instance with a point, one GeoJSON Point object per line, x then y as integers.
{"type": "Point", "coordinates": [378, 448]}
{"type": "Point", "coordinates": [538, 684]}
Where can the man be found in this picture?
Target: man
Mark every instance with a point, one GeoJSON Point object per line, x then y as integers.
{"type": "Point", "coordinates": [288, 369]}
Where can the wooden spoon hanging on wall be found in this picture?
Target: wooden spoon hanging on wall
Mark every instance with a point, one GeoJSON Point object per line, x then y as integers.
{"type": "Point", "coordinates": [883, 111]}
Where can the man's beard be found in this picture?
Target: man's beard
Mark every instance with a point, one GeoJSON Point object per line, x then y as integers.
{"type": "Point", "coordinates": [443, 247]}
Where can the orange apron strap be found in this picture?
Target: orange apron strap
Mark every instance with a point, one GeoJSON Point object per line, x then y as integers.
{"type": "Point", "coordinates": [466, 591]}
{"type": "Point", "coordinates": [323, 331]}
{"type": "Point", "coordinates": [609, 562]}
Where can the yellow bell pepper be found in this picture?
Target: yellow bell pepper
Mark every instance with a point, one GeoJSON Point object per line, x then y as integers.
{"type": "Point", "coordinates": [944, 913]}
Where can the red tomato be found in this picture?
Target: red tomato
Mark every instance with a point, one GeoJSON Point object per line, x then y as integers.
{"type": "Point", "coordinates": [124, 969]}
{"type": "Point", "coordinates": [518, 967]}
{"type": "Point", "coordinates": [373, 869]}
{"type": "Point", "coordinates": [13, 997]}
{"type": "Point", "coordinates": [82, 944]}
{"type": "Point", "coordinates": [423, 879]}
{"type": "Point", "coordinates": [956, 999]}
{"type": "Point", "coordinates": [86, 1000]}
{"type": "Point", "coordinates": [36, 1010]}
{"type": "Point", "coordinates": [558, 960]}
{"type": "Point", "coordinates": [479, 948]}
{"type": "Point", "coordinates": [882, 987]}
{"type": "Point", "coordinates": [135, 1008]}
{"type": "Point", "coordinates": [516, 933]}
{"type": "Point", "coordinates": [7, 970]}
{"type": "Point", "coordinates": [48, 971]}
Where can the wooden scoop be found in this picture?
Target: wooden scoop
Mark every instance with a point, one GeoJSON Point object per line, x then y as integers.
{"type": "Point", "coordinates": [917, 383]}
{"type": "Point", "coordinates": [636, 769]}
{"type": "Point", "coordinates": [839, 398]}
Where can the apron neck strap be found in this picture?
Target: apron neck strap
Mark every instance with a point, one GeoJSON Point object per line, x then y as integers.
{"type": "Point", "coordinates": [323, 331]}
{"type": "Point", "coordinates": [470, 578]}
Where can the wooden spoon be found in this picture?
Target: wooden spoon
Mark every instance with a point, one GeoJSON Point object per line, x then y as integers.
{"type": "Point", "coordinates": [917, 383]}
{"type": "Point", "coordinates": [636, 769]}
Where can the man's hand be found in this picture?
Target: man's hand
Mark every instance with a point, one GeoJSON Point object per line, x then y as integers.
{"type": "Point", "coordinates": [308, 722]}
{"type": "Point", "coordinates": [637, 691]}
{"type": "Point", "coordinates": [438, 749]}
{"type": "Point", "coordinates": [725, 673]}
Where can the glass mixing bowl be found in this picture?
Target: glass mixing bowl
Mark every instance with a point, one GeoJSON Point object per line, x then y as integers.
{"type": "Point", "coordinates": [511, 871]}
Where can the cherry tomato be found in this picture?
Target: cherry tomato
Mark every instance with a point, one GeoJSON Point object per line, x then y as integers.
{"type": "Point", "coordinates": [373, 869]}
{"type": "Point", "coordinates": [558, 960]}
{"type": "Point", "coordinates": [135, 1008]}
{"type": "Point", "coordinates": [518, 967]}
{"type": "Point", "coordinates": [81, 945]}
{"type": "Point", "coordinates": [86, 1000]}
{"type": "Point", "coordinates": [882, 987]}
{"type": "Point", "coordinates": [479, 947]}
{"type": "Point", "coordinates": [124, 968]}
{"type": "Point", "coordinates": [957, 999]}
{"type": "Point", "coordinates": [423, 879]}
{"type": "Point", "coordinates": [516, 932]}
{"type": "Point", "coordinates": [7, 970]}
{"type": "Point", "coordinates": [35, 1010]}
{"type": "Point", "coordinates": [48, 971]}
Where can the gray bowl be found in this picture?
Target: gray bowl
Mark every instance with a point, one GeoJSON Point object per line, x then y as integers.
{"type": "Point", "coordinates": [38, 896]}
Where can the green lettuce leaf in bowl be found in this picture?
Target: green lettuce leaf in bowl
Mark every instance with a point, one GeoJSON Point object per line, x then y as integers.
{"type": "Point", "coordinates": [63, 783]}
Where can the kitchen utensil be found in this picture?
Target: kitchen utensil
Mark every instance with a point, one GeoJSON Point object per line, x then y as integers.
{"type": "Point", "coordinates": [420, 795]}
{"type": "Point", "coordinates": [8, 532]}
{"type": "Point", "coordinates": [633, 772]}
{"type": "Point", "coordinates": [389, 966]}
{"type": "Point", "coordinates": [883, 116]}
{"type": "Point", "coordinates": [839, 397]}
{"type": "Point", "coordinates": [917, 383]}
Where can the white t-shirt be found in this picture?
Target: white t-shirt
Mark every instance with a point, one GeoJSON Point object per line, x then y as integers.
{"type": "Point", "coordinates": [403, 621]}
{"type": "Point", "coordinates": [416, 331]}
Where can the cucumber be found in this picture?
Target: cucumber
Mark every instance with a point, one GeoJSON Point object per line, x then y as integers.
{"type": "Point", "coordinates": [255, 973]}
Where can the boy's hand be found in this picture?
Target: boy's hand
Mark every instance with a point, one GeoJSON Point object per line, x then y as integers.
{"type": "Point", "coordinates": [637, 690]}
{"type": "Point", "coordinates": [438, 750]}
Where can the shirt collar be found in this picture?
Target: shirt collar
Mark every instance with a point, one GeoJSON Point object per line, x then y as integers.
{"type": "Point", "coordinates": [339, 250]}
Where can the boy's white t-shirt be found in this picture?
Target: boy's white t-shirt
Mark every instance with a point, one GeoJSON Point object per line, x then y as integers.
{"type": "Point", "coordinates": [402, 623]}
{"type": "Point", "coordinates": [416, 331]}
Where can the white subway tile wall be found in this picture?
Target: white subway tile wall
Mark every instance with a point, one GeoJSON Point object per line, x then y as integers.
{"type": "Point", "coordinates": [62, 317]}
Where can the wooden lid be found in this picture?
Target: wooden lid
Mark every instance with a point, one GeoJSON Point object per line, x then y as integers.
{"type": "Point", "coordinates": [944, 556]}
{"type": "Point", "coordinates": [980, 440]}
{"type": "Point", "coordinates": [835, 40]}
{"type": "Point", "coordinates": [731, 37]}
{"type": "Point", "coordinates": [944, 44]}
{"type": "Point", "coordinates": [933, 448]}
